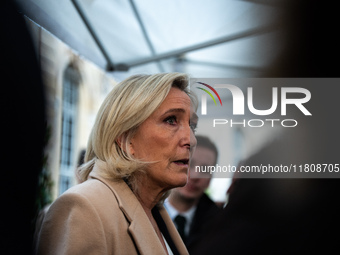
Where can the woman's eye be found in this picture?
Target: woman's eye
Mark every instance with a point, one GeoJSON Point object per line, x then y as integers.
{"type": "Point", "coordinates": [171, 120]}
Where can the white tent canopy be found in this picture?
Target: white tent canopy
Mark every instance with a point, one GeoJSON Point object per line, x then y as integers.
{"type": "Point", "coordinates": [202, 38]}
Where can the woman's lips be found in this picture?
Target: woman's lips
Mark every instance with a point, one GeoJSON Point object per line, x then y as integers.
{"type": "Point", "coordinates": [182, 162]}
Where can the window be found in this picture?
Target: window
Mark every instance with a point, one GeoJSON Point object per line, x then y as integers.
{"type": "Point", "coordinates": [69, 124]}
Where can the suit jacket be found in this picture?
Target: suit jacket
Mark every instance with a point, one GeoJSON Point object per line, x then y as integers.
{"type": "Point", "coordinates": [102, 216]}
{"type": "Point", "coordinates": [205, 212]}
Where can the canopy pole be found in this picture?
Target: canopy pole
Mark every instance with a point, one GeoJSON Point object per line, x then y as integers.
{"type": "Point", "coordinates": [145, 34]}
{"type": "Point", "coordinates": [110, 66]}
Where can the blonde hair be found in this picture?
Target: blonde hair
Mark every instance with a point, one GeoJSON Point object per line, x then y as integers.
{"type": "Point", "coordinates": [126, 107]}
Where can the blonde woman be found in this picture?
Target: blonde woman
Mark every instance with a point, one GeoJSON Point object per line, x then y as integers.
{"type": "Point", "coordinates": [138, 150]}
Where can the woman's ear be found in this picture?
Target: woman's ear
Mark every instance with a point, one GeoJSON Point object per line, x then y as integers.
{"type": "Point", "coordinates": [121, 141]}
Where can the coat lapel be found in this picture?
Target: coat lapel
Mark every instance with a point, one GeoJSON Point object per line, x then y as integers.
{"type": "Point", "coordinates": [173, 231]}
{"type": "Point", "coordinates": [143, 232]}
{"type": "Point", "coordinates": [140, 228]}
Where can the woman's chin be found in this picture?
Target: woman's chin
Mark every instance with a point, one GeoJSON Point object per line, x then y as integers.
{"type": "Point", "coordinates": [182, 181]}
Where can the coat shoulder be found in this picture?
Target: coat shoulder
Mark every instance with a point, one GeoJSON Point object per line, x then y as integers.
{"type": "Point", "coordinates": [85, 217]}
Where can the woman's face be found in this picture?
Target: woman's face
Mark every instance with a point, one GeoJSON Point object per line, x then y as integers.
{"type": "Point", "coordinates": [167, 139]}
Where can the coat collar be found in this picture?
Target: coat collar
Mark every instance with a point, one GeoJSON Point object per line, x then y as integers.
{"type": "Point", "coordinates": [140, 227]}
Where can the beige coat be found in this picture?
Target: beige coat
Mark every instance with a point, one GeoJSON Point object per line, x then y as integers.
{"type": "Point", "coordinates": [100, 217]}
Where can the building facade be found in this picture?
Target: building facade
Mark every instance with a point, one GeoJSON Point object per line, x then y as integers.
{"type": "Point", "coordinates": [74, 90]}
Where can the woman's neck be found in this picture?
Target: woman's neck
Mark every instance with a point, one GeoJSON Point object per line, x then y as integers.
{"type": "Point", "coordinates": [148, 194]}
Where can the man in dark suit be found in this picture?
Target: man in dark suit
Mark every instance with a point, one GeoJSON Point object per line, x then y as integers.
{"type": "Point", "coordinates": [189, 207]}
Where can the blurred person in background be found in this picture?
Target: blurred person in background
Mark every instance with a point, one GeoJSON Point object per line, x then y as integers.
{"type": "Point", "coordinates": [23, 127]}
{"type": "Point", "coordinates": [138, 150]}
{"type": "Point", "coordinates": [295, 215]}
{"type": "Point", "coordinates": [81, 158]}
{"type": "Point", "coordinates": [189, 207]}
